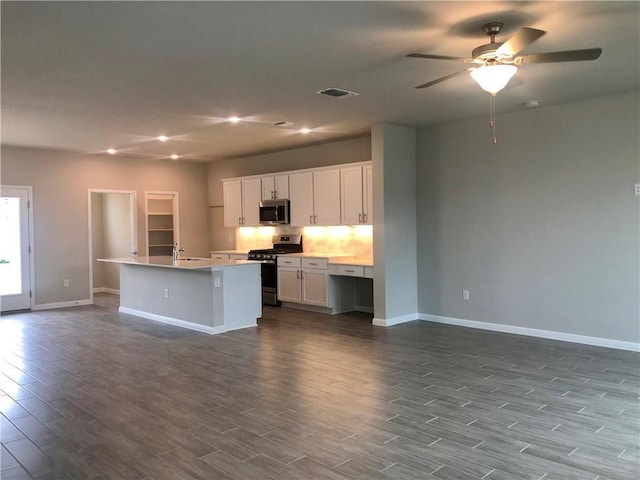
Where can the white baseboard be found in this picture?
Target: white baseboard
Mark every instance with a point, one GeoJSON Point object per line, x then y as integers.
{"type": "Point", "coordinates": [534, 332]}
{"type": "Point", "coordinates": [173, 321]}
{"type": "Point", "coordinates": [388, 322]}
{"type": "Point", "coordinates": [48, 306]}
{"type": "Point", "coordinates": [112, 291]}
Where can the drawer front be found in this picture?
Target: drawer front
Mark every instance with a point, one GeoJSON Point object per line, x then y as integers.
{"type": "Point", "coordinates": [284, 261]}
{"type": "Point", "coordinates": [237, 256]}
{"type": "Point", "coordinates": [349, 270]}
{"type": "Point", "coordinates": [368, 272]}
{"type": "Point", "coordinates": [322, 263]}
{"type": "Point", "coordinates": [220, 256]}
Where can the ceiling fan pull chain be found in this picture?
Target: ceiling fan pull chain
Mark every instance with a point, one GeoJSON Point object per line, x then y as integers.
{"type": "Point", "coordinates": [492, 116]}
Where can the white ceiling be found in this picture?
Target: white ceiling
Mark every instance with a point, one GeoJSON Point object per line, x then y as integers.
{"type": "Point", "coordinates": [87, 76]}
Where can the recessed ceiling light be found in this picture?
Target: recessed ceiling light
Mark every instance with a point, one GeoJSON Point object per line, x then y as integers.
{"type": "Point", "coordinates": [304, 130]}
{"type": "Point", "coordinates": [234, 119]}
{"type": "Point", "coordinates": [174, 157]}
{"type": "Point", "coordinates": [111, 151]}
{"type": "Point", "coordinates": [163, 138]}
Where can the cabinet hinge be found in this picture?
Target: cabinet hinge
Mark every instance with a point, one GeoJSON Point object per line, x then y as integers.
{"type": "Point", "coordinates": [28, 204]}
{"type": "Point", "coordinates": [29, 248]}
{"type": "Point", "coordinates": [29, 293]}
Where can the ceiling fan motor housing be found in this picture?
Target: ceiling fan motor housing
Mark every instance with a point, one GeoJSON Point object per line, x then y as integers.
{"type": "Point", "coordinates": [488, 52]}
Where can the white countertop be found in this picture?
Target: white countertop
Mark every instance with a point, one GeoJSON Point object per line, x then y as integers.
{"type": "Point", "coordinates": [168, 262]}
{"type": "Point", "coordinates": [320, 255]}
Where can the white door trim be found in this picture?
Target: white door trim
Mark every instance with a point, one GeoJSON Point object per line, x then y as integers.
{"type": "Point", "coordinates": [32, 271]}
{"type": "Point", "coordinates": [133, 204]}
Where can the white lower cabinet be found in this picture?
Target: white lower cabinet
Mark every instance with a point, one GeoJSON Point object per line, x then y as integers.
{"type": "Point", "coordinates": [303, 280]}
{"type": "Point", "coordinates": [289, 285]}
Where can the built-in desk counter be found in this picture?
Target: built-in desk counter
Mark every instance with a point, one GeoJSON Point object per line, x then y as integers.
{"type": "Point", "coordinates": [351, 267]}
{"type": "Point", "coordinates": [204, 294]}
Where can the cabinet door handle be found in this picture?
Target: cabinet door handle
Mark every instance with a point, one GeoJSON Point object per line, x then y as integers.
{"type": "Point", "coordinates": [359, 218]}
{"type": "Point", "coordinates": [315, 219]}
{"type": "Point", "coordinates": [365, 218]}
{"type": "Point", "coordinates": [311, 263]}
{"type": "Point", "coordinates": [310, 219]}
{"type": "Point", "coordinates": [301, 274]}
{"type": "Point", "coordinates": [275, 194]}
{"type": "Point", "coordinates": [349, 271]}
{"type": "Point", "coordinates": [297, 273]}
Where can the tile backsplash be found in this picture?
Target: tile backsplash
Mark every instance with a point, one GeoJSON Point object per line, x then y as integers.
{"type": "Point", "coordinates": [353, 240]}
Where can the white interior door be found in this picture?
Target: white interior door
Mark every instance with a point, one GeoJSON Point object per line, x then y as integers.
{"type": "Point", "coordinates": [15, 266]}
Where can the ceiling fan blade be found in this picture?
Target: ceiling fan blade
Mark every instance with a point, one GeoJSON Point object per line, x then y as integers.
{"type": "Point", "coordinates": [566, 56]}
{"type": "Point", "coordinates": [436, 57]}
{"type": "Point", "coordinates": [519, 41]}
{"type": "Point", "coordinates": [442, 79]}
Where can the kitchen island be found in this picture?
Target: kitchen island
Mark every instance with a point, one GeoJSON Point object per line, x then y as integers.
{"type": "Point", "coordinates": [203, 294]}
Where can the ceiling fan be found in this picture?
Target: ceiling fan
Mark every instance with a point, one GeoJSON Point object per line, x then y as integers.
{"type": "Point", "coordinates": [497, 62]}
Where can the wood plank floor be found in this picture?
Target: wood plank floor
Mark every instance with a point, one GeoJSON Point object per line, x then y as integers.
{"type": "Point", "coordinates": [87, 393]}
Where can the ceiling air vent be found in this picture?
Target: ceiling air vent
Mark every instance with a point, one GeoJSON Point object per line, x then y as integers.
{"type": "Point", "coordinates": [337, 92]}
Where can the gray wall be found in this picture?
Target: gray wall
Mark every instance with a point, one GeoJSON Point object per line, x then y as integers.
{"type": "Point", "coordinates": [61, 181]}
{"type": "Point", "coordinates": [542, 228]}
{"type": "Point", "coordinates": [324, 154]}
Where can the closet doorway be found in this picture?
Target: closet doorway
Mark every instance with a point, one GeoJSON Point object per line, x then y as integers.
{"type": "Point", "coordinates": [113, 232]}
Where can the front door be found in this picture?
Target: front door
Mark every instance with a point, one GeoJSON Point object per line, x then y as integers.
{"type": "Point", "coordinates": [15, 268]}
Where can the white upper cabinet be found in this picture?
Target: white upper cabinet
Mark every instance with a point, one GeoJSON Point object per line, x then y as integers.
{"type": "Point", "coordinates": [356, 195]}
{"type": "Point", "coordinates": [315, 197]}
{"type": "Point", "coordinates": [326, 196]}
{"type": "Point", "coordinates": [241, 202]}
{"type": "Point", "coordinates": [301, 196]}
{"type": "Point", "coordinates": [339, 195]}
{"type": "Point", "coordinates": [275, 187]}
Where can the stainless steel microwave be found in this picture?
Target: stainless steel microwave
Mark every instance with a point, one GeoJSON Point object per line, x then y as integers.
{"type": "Point", "coordinates": [274, 212]}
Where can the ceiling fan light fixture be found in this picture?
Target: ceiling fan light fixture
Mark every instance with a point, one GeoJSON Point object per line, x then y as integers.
{"type": "Point", "coordinates": [493, 78]}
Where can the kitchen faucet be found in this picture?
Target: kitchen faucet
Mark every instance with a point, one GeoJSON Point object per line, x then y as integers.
{"type": "Point", "coordinates": [176, 252]}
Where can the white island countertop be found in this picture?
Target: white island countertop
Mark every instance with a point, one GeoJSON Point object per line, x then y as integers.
{"type": "Point", "coordinates": [188, 263]}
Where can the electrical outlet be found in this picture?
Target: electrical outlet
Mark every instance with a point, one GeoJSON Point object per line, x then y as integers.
{"type": "Point", "coordinates": [216, 282]}
{"type": "Point", "coordinates": [465, 294]}
{"type": "Point", "coordinates": [66, 282]}
{"type": "Point", "coordinates": [166, 293]}
{"type": "Point", "coordinates": [636, 189]}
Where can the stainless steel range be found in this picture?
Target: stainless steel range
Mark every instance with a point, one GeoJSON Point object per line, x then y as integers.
{"type": "Point", "coordinates": [282, 245]}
